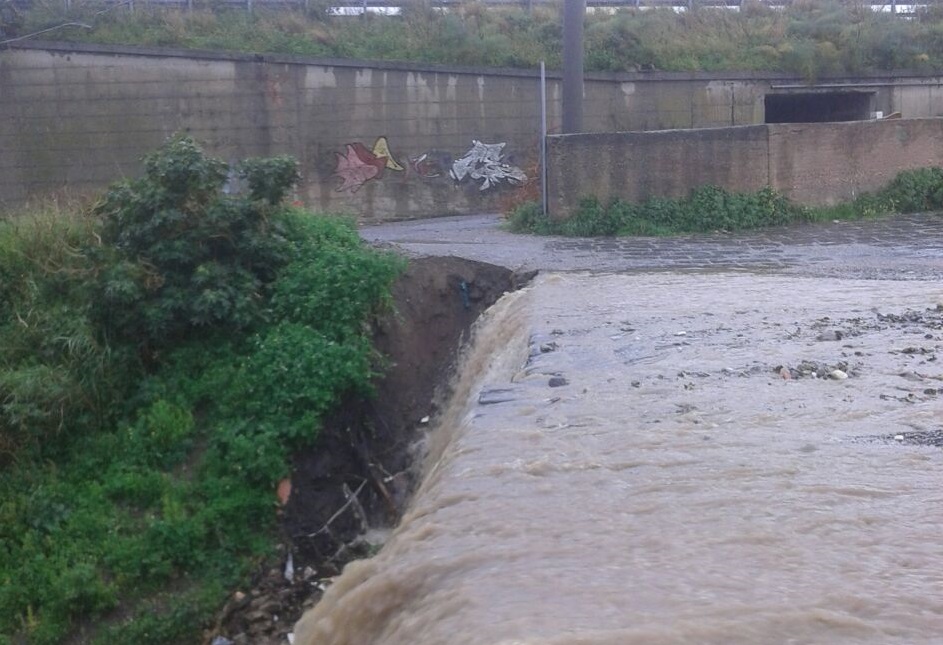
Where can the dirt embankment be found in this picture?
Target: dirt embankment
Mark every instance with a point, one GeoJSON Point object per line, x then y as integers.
{"type": "Point", "coordinates": [359, 476]}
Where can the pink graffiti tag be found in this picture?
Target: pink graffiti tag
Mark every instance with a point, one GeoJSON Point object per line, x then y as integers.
{"type": "Point", "coordinates": [356, 166]}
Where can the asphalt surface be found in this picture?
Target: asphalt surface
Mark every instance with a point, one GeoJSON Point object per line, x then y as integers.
{"type": "Point", "coordinates": [900, 247]}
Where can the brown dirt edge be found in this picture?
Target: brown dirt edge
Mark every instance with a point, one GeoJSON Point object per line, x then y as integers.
{"type": "Point", "coordinates": [358, 476]}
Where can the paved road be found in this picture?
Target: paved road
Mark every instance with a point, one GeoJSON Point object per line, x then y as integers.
{"type": "Point", "coordinates": [902, 247]}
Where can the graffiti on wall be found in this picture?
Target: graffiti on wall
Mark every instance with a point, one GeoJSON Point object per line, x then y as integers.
{"type": "Point", "coordinates": [357, 164]}
{"type": "Point", "coordinates": [484, 164]}
{"type": "Point", "coordinates": [431, 164]}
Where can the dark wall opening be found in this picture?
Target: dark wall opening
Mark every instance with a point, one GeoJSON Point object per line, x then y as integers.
{"type": "Point", "coordinates": [818, 107]}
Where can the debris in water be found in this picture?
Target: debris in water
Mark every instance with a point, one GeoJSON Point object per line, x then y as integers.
{"type": "Point", "coordinates": [290, 568]}
{"type": "Point", "coordinates": [837, 375]}
{"type": "Point", "coordinates": [283, 491]}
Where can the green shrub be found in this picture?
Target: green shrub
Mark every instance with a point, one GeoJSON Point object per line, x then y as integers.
{"type": "Point", "coordinates": [526, 218]}
{"type": "Point", "coordinates": [706, 209]}
{"type": "Point", "coordinates": [163, 434]}
{"type": "Point", "coordinates": [269, 180]}
{"type": "Point", "coordinates": [915, 190]}
{"type": "Point", "coordinates": [182, 256]}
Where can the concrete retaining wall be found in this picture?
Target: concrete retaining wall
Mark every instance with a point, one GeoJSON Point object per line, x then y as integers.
{"type": "Point", "coordinates": [638, 165]}
{"type": "Point", "coordinates": [379, 140]}
{"type": "Point", "coordinates": [824, 163]}
{"type": "Point", "coordinates": [812, 163]}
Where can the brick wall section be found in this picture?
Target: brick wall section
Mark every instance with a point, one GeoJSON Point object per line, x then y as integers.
{"type": "Point", "coordinates": [824, 163]}
{"type": "Point", "coordinates": [79, 116]}
{"type": "Point", "coordinates": [812, 163]}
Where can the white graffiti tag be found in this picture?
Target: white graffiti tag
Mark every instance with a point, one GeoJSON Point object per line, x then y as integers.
{"type": "Point", "coordinates": [485, 162]}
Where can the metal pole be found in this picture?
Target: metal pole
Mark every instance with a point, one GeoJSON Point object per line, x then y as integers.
{"type": "Point", "coordinates": [543, 137]}
{"type": "Point", "coordinates": [574, 13]}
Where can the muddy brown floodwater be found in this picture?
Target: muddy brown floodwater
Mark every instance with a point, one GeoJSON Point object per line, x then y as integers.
{"type": "Point", "coordinates": [694, 475]}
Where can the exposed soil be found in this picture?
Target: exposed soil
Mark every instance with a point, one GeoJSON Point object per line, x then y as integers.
{"type": "Point", "coordinates": [359, 476]}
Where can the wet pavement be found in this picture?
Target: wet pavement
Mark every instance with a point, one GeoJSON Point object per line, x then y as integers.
{"type": "Point", "coordinates": [901, 247]}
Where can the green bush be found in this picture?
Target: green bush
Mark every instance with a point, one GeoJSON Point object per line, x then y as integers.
{"type": "Point", "coordinates": [527, 218]}
{"type": "Point", "coordinates": [180, 255]}
{"type": "Point", "coordinates": [706, 209]}
{"type": "Point", "coordinates": [915, 190]}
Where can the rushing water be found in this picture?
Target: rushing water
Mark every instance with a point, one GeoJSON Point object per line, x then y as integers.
{"type": "Point", "coordinates": [678, 489]}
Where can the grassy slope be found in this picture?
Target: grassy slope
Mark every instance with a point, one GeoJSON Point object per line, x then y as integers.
{"type": "Point", "coordinates": [808, 38]}
{"type": "Point", "coordinates": [138, 485]}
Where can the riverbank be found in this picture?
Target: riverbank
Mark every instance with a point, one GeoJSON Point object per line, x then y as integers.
{"type": "Point", "coordinates": [352, 487]}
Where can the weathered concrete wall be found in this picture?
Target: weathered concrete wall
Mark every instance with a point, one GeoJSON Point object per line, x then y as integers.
{"type": "Point", "coordinates": [375, 139]}
{"type": "Point", "coordinates": [638, 165]}
{"type": "Point", "coordinates": [812, 163]}
{"type": "Point", "coordinates": [823, 163]}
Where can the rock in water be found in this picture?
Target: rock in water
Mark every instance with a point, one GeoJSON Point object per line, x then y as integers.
{"type": "Point", "coordinates": [837, 375]}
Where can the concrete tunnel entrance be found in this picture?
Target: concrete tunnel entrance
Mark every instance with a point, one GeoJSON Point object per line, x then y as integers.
{"type": "Point", "coordinates": [819, 107]}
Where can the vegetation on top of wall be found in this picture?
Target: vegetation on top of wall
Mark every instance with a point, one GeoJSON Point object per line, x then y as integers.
{"type": "Point", "coordinates": [809, 38]}
{"type": "Point", "coordinates": [160, 356]}
{"type": "Point", "coordinates": [709, 209]}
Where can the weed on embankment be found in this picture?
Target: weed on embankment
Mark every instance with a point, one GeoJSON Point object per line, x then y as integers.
{"type": "Point", "coordinates": [811, 39]}
{"type": "Point", "coordinates": [160, 357]}
{"type": "Point", "coordinates": [710, 209]}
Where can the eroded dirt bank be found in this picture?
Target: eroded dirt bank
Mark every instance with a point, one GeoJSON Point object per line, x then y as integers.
{"type": "Point", "coordinates": [358, 477]}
